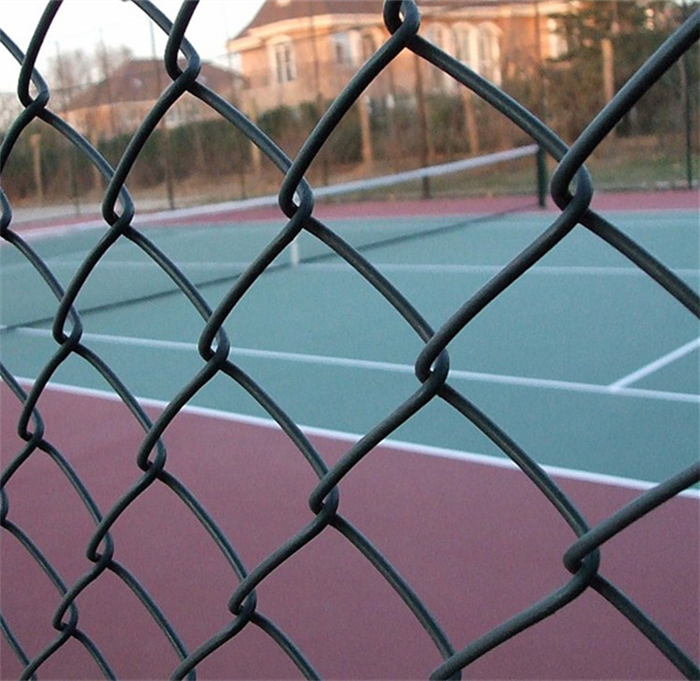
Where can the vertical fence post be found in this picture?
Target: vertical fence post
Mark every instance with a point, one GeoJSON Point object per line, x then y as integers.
{"type": "Point", "coordinates": [424, 141]}
{"type": "Point", "coordinates": [687, 111]}
{"type": "Point", "coordinates": [35, 141]}
{"type": "Point", "coordinates": [541, 177]}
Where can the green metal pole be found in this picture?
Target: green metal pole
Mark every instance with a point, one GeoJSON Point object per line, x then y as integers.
{"type": "Point", "coordinates": [541, 177]}
{"type": "Point", "coordinates": [687, 110]}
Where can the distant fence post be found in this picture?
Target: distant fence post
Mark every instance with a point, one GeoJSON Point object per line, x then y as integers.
{"type": "Point", "coordinates": [541, 177]}
{"type": "Point", "coordinates": [35, 141]}
{"type": "Point", "coordinates": [687, 111]}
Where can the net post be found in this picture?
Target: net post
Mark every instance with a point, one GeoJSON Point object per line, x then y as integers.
{"type": "Point", "coordinates": [541, 159]}
{"type": "Point", "coordinates": [294, 256]}
{"type": "Point", "coordinates": [425, 188]}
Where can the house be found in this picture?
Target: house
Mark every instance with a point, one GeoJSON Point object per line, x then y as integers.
{"type": "Point", "coordinates": [295, 51]}
{"type": "Point", "coordinates": [118, 104]}
{"type": "Point", "coordinates": [10, 108]}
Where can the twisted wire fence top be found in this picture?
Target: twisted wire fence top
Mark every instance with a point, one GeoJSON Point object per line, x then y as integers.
{"type": "Point", "coordinates": [572, 188]}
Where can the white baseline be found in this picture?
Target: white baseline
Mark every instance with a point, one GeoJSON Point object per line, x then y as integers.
{"type": "Point", "coordinates": [425, 450]}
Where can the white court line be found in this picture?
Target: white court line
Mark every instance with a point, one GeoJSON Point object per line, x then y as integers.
{"type": "Point", "coordinates": [425, 450]}
{"type": "Point", "coordinates": [655, 365]}
{"type": "Point", "coordinates": [494, 269]}
{"type": "Point", "coordinates": [430, 268]}
{"type": "Point", "coordinates": [145, 264]}
{"type": "Point", "coordinates": [504, 379]}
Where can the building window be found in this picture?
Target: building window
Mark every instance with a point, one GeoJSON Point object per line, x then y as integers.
{"type": "Point", "coordinates": [282, 58]}
{"type": "Point", "coordinates": [489, 52]}
{"type": "Point", "coordinates": [465, 44]}
{"type": "Point", "coordinates": [557, 41]}
{"type": "Point", "coordinates": [368, 46]}
{"type": "Point", "coordinates": [480, 49]}
{"type": "Point", "coordinates": [441, 37]}
{"type": "Point", "coordinates": [342, 48]}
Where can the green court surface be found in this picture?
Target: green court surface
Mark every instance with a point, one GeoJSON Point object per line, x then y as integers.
{"type": "Point", "coordinates": [586, 362]}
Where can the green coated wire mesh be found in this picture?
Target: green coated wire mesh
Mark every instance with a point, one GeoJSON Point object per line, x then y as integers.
{"type": "Point", "coordinates": [571, 190]}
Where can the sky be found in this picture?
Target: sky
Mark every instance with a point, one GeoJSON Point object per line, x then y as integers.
{"type": "Point", "coordinates": [85, 23]}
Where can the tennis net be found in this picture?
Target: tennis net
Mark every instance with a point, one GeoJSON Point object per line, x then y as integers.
{"type": "Point", "coordinates": [213, 245]}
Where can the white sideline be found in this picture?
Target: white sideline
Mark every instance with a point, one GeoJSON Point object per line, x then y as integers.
{"type": "Point", "coordinates": [426, 450]}
{"type": "Point", "coordinates": [326, 360]}
{"type": "Point", "coordinates": [428, 268]}
{"type": "Point", "coordinates": [657, 364]}
{"type": "Point", "coordinates": [431, 268]}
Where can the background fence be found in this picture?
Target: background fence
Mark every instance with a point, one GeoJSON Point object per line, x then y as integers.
{"type": "Point", "coordinates": [537, 60]}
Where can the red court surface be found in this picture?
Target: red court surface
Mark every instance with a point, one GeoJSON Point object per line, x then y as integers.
{"type": "Point", "coordinates": [477, 543]}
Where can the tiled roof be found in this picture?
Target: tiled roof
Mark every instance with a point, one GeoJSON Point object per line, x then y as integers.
{"type": "Point", "coordinates": [273, 11]}
{"type": "Point", "coordinates": [144, 79]}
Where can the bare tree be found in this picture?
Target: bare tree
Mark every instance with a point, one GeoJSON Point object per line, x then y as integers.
{"type": "Point", "coordinates": [108, 58]}
{"type": "Point", "coordinates": [71, 71]}
{"type": "Point", "coordinates": [68, 74]}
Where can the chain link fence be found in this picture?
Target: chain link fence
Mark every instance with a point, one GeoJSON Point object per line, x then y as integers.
{"type": "Point", "coordinates": [571, 189]}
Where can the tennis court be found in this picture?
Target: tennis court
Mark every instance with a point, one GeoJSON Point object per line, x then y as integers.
{"type": "Point", "coordinates": [586, 363]}
{"type": "Point", "coordinates": [583, 343]}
